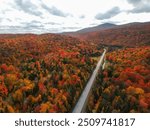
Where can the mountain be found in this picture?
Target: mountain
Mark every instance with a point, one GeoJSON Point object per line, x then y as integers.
{"type": "Point", "coordinates": [97, 28]}
{"type": "Point", "coordinates": [91, 29]}
{"type": "Point", "coordinates": [132, 34]}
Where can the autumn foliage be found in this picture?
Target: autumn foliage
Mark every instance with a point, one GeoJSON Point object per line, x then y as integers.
{"type": "Point", "coordinates": [131, 35]}
{"type": "Point", "coordinates": [43, 73]}
{"type": "Point", "coordinates": [48, 72]}
{"type": "Point", "coordinates": [124, 84]}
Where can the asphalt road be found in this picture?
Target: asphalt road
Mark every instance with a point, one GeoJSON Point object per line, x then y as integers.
{"type": "Point", "coordinates": [82, 102]}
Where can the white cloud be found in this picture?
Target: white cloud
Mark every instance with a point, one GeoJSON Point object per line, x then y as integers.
{"type": "Point", "coordinates": [140, 6]}
{"type": "Point", "coordinates": [67, 15]}
{"type": "Point", "coordinates": [129, 17]}
{"type": "Point", "coordinates": [110, 13]}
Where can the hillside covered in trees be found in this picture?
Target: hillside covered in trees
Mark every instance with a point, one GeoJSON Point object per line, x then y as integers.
{"type": "Point", "coordinates": [124, 84]}
{"type": "Point", "coordinates": [43, 73]}
{"type": "Point", "coordinates": [48, 72]}
{"type": "Point", "coordinates": [130, 35]}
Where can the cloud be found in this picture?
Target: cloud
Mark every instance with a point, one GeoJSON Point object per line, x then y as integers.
{"type": "Point", "coordinates": [82, 16]}
{"type": "Point", "coordinates": [134, 2]}
{"type": "Point", "coordinates": [27, 7]}
{"type": "Point", "coordinates": [141, 9]}
{"type": "Point", "coordinates": [54, 11]}
{"type": "Point", "coordinates": [24, 27]}
{"type": "Point", "coordinates": [140, 6]}
{"type": "Point", "coordinates": [8, 19]}
{"type": "Point", "coordinates": [33, 25]}
{"type": "Point", "coordinates": [36, 16]}
{"type": "Point", "coordinates": [52, 23]}
{"type": "Point", "coordinates": [38, 24]}
{"type": "Point", "coordinates": [5, 20]}
{"type": "Point", "coordinates": [1, 20]}
{"type": "Point", "coordinates": [21, 29]}
{"type": "Point", "coordinates": [70, 28]}
{"type": "Point", "coordinates": [110, 13]}
{"type": "Point", "coordinates": [10, 29]}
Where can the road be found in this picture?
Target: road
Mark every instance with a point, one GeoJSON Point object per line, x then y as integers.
{"type": "Point", "coordinates": [82, 102]}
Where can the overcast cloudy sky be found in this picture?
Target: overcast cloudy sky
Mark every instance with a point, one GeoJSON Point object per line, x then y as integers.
{"type": "Point", "coordinates": [42, 16]}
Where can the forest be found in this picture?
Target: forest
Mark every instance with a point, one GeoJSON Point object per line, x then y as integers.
{"type": "Point", "coordinates": [124, 84]}
{"type": "Point", "coordinates": [43, 73]}
{"type": "Point", "coordinates": [48, 72]}
{"type": "Point", "coordinates": [128, 35]}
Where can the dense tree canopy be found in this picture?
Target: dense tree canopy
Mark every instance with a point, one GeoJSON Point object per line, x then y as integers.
{"type": "Point", "coordinates": [43, 73]}
{"type": "Point", "coordinates": [124, 85]}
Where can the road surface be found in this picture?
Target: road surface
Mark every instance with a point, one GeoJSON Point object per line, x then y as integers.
{"type": "Point", "coordinates": [82, 102]}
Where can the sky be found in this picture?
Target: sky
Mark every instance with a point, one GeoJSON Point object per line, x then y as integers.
{"type": "Point", "coordinates": [55, 16]}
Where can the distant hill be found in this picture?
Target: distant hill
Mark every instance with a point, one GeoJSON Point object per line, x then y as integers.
{"type": "Point", "coordinates": [97, 28]}
{"type": "Point", "coordinates": [92, 29]}
{"type": "Point", "coordinates": [22, 45]}
{"type": "Point", "coordinates": [131, 34]}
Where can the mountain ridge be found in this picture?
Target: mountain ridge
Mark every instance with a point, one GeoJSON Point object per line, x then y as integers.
{"type": "Point", "coordinates": [131, 34]}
